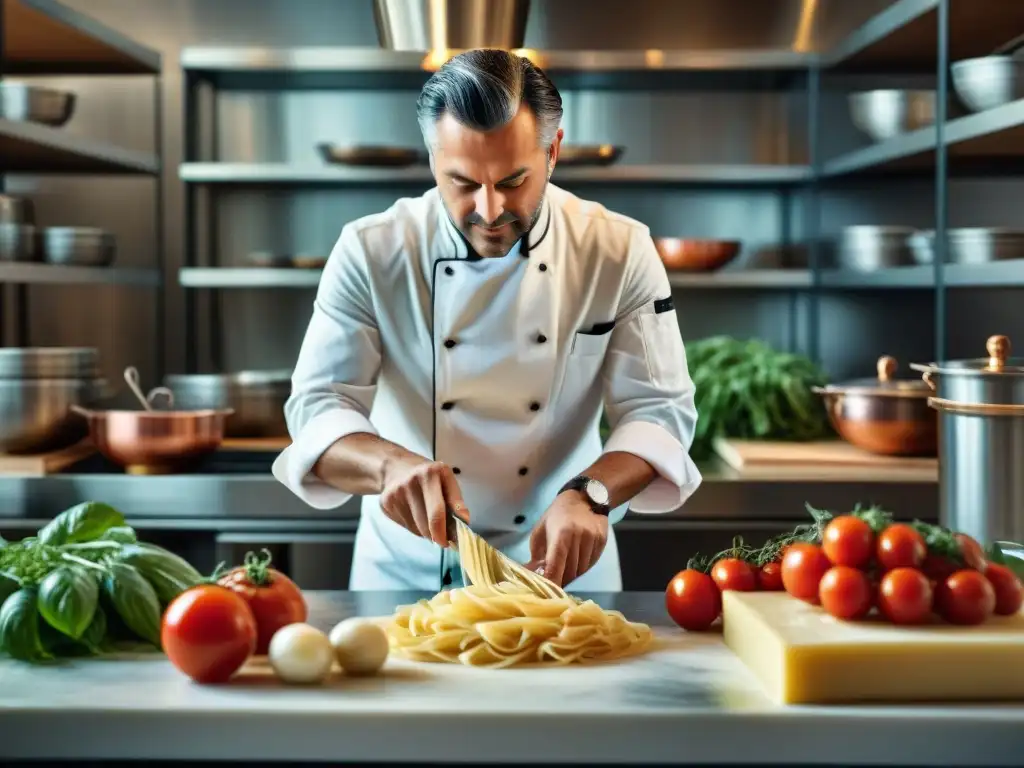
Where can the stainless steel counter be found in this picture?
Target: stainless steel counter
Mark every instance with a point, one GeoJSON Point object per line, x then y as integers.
{"type": "Point", "coordinates": [687, 702]}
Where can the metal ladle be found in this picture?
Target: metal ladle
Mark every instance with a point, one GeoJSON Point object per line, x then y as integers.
{"type": "Point", "coordinates": [131, 377]}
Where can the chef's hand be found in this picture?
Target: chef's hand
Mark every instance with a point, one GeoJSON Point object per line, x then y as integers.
{"type": "Point", "coordinates": [568, 539]}
{"type": "Point", "coordinates": [418, 492]}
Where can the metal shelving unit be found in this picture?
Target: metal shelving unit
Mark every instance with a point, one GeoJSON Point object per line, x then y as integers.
{"type": "Point", "coordinates": [46, 38]}
{"type": "Point", "coordinates": [909, 37]}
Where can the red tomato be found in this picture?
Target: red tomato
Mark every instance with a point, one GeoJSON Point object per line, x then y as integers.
{"type": "Point", "coordinates": [275, 600]}
{"type": "Point", "coordinates": [848, 540]}
{"type": "Point", "coordinates": [938, 568]}
{"type": "Point", "coordinates": [845, 592]}
{"type": "Point", "coordinates": [905, 596]}
{"type": "Point", "coordinates": [733, 573]}
{"type": "Point", "coordinates": [803, 565]}
{"type": "Point", "coordinates": [692, 600]}
{"type": "Point", "coordinates": [769, 577]}
{"type": "Point", "coordinates": [1008, 589]}
{"type": "Point", "coordinates": [971, 551]}
{"type": "Point", "coordinates": [966, 598]}
{"type": "Point", "coordinates": [900, 546]}
{"type": "Point", "coordinates": [208, 633]}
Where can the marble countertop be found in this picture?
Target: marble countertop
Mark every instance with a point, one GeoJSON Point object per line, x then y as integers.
{"type": "Point", "coordinates": [688, 702]}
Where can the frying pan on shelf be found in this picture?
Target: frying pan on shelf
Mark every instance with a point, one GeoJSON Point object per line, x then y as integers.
{"type": "Point", "coordinates": [584, 154]}
{"type": "Point", "coordinates": [372, 156]}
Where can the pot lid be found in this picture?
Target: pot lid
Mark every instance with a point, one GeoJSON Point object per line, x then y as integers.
{"type": "Point", "coordinates": [884, 383]}
{"type": "Point", "coordinates": [998, 362]}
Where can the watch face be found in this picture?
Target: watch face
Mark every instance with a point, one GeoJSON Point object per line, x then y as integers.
{"type": "Point", "coordinates": [597, 492]}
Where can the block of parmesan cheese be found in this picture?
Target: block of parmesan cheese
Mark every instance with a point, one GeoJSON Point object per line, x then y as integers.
{"type": "Point", "coordinates": [804, 656]}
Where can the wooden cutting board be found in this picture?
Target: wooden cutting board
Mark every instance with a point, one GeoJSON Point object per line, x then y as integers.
{"type": "Point", "coordinates": [743, 454]}
{"type": "Point", "coordinates": [41, 464]}
{"type": "Point", "coordinates": [804, 656]}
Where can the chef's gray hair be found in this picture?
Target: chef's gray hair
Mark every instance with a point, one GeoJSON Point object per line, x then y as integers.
{"type": "Point", "coordinates": [483, 90]}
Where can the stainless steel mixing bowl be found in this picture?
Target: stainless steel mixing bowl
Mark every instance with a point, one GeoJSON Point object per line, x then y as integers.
{"type": "Point", "coordinates": [49, 363]}
{"type": "Point", "coordinates": [884, 114]}
{"type": "Point", "coordinates": [36, 415]}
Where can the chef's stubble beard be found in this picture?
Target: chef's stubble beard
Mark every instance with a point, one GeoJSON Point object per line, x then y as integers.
{"type": "Point", "coordinates": [534, 218]}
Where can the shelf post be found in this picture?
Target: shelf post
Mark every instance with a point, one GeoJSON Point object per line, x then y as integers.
{"type": "Point", "coordinates": [941, 176]}
{"type": "Point", "coordinates": [812, 210]}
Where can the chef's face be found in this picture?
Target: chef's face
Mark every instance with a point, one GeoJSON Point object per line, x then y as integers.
{"type": "Point", "coordinates": [493, 183]}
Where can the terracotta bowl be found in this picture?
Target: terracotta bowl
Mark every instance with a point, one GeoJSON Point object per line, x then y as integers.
{"type": "Point", "coordinates": [696, 255]}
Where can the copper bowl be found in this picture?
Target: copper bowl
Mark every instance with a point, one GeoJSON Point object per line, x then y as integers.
{"type": "Point", "coordinates": [885, 416]}
{"type": "Point", "coordinates": [156, 442]}
{"type": "Point", "coordinates": [696, 255]}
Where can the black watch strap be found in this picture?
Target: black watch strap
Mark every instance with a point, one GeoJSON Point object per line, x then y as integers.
{"type": "Point", "coordinates": [579, 483]}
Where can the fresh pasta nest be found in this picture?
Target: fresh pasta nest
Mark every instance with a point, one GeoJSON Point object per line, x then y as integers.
{"type": "Point", "coordinates": [507, 624]}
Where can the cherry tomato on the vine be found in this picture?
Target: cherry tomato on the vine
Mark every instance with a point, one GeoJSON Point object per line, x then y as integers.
{"type": "Point", "coordinates": [692, 600]}
{"type": "Point", "coordinates": [769, 577]}
{"type": "Point", "coordinates": [735, 574]}
{"type": "Point", "coordinates": [803, 565]}
{"type": "Point", "coordinates": [966, 597]}
{"type": "Point", "coordinates": [900, 546]}
{"type": "Point", "coordinates": [276, 601]}
{"type": "Point", "coordinates": [848, 540]}
{"type": "Point", "coordinates": [905, 596]}
{"type": "Point", "coordinates": [1008, 589]}
{"type": "Point", "coordinates": [971, 552]}
{"type": "Point", "coordinates": [845, 592]}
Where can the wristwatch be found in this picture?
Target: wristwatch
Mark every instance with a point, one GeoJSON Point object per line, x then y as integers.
{"type": "Point", "coordinates": [592, 490]}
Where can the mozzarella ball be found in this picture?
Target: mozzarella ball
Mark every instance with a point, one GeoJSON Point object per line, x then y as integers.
{"type": "Point", "coordinates": [301, 654]}
{"type": "Point", "coordinates": [360, 646]}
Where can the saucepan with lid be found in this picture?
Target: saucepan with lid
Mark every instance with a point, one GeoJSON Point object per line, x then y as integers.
{"type": "Point", "coordinates": [980, 403]}
{"type": "Point", "coordinates": [883, 415]}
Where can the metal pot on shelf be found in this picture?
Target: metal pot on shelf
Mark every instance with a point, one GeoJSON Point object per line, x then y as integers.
{"type": "Point", "coordinates": [884, 415]}
{"type": "Point", "coordinates": [980, 403]}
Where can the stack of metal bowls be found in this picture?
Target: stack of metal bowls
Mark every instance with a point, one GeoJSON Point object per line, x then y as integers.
{"type": "Point", "coordinates": [38, 387]}
{"type": "Point", "coordinates": [868, 248]}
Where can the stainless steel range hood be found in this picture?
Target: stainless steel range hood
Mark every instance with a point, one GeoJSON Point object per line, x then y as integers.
{"type": "Point", "coordinates": [436, 25]}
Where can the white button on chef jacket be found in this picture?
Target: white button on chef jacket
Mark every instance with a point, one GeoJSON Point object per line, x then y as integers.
{"type": "Point", "coordinates": [497, 367]}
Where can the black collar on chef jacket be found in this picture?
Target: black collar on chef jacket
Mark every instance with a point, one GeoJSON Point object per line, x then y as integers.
{"type": "Point", "coordinates": [532, 239]}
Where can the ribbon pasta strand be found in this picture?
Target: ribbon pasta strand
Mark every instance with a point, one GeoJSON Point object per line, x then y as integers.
{"type": "Point", "coordinates": [508, 616]}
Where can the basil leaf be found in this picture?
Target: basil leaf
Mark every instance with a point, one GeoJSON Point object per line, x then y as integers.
{"type": "Point", "coordinates": [1013, 556]}
{"type": "Point", "coordinates": [19, 627]}
{"type": "Point", "coordinates": [123, 534]}
{"type": "Point", "coordinates": [135, 601]}
{"type": "Point", "coordinates": [8, 586]}
{"type": "Point", "coordinates": [85, 522]}
{"type": "Point", "coordinates": [169, 574]}
{"type": "Point", "coordinates": [95, 636]}
{"type": "Point", "coordinates": [67, 600]}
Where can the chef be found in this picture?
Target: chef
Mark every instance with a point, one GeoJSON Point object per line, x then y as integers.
{"type": "Point", "coordinates": [462, 347]}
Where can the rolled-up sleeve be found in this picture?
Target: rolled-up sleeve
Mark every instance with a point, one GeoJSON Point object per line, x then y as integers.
{"type": "Point", "coordinates": [648, 392]}
{"type": "Point", "coordinates": [335, 377]}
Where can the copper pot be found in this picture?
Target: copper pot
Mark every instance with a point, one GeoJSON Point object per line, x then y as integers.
{"type": "Point", "coordinates": [885, 415]}
{"type": "Point", "coordinates": [156, 442]}
{"type": "Point", "coordinates": [696, 255]}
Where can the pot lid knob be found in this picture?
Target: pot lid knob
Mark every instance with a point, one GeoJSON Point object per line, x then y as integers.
{"type": "Point", "coordinates": [998, 348]}
{"type": "Point", "coordinates": [886, 368]}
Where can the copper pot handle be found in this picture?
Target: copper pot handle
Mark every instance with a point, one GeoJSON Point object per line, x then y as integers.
{"type": "Point", "coordinates": [81, 411]}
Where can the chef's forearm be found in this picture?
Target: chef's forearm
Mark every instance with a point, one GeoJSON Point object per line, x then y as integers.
{"type": "Point", "coordinates": [623, 474]}
{"type": "Point", "coordinates": [358, 463]}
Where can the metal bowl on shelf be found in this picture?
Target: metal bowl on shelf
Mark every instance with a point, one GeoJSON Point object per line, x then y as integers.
{"type": "Point", "coordinates": [21, 363]}
{"type": "Point", "coordinates": [885, 114]}
{"type": "Point", "coordinates": [988, 82]}
{"type": "Point", "coordinates": [19, 242]}
{"type": "Point", "coordinates": [695, 255]}
{"type": "Point", "coordinates": [596, 154]}
{"type": "Point", "coordinates": [78, 246]}
{"type": "Point", "coordinates": [970, 245]}
{"type": "Point", "coordinates": [35, 104]}
{"type": "Point", "coordinates": [256, 398]}
{"type": "Point", "coordinates": [37, 415]}
{"type": "Point", "coordinates": [866, 248]}
{"type": "Point", "coordinates": [884, 415]}
{"type": "Point", "coordinates": [155, 442]}
{"type": "Point", "coordinates": [16, 210]}
{"type": "Point", "coordinates": [372, 156]}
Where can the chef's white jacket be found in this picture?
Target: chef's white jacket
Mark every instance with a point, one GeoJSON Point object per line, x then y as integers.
{"type": "Point", "coordinates": [498, 367]}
